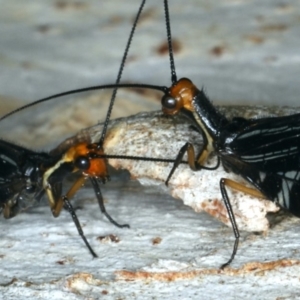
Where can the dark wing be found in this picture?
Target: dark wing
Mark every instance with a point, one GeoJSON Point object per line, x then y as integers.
{"type": "Point", "coordinates": [11, 181]}
{"type": "Point", "coordinates": [20, 185]}
{"type": "Point", "coordinates": [266, 152]}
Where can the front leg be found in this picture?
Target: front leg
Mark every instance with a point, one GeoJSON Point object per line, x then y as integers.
{"type": "Point", "coordinates": [67, 205]}
{"type": "Point", "coordinates": [101, 203]}
{"type": "Point", "coordinates": [195, 164]}
{"type": "Point", "coordinates": [58, 205]}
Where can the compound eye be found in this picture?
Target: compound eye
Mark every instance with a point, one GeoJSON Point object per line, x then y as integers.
{"type": "Point", "coordinates": [168, 102]}
{"type": "Point", "coordinates": [82, 163]}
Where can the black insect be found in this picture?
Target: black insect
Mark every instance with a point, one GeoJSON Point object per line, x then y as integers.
{"type": "Point", "coordinates": [26, 175]}
{"type": "Point", "coordinates": [17, 190]}
{"type": "Point", "coordinates": [265, 152]}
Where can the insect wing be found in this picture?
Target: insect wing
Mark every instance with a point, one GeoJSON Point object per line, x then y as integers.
{"type": "Point", "coordinates": [19, 178]}
{"type": "Point", "coordinates": [266, 152]}
{"type": "Point", "coordinates": [10, 179]}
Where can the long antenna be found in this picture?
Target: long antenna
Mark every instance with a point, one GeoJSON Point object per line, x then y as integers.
{"type": "Point", "coordinates": [81, 90]}
{"type": "Point", "coordinates": [113, 97]}
{"type": "Point", "coordinates": [169, 37]}
{"type": "Point", "coordinates": [142, 158]}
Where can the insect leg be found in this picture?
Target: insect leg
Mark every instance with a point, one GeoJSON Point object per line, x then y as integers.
{"type": "Point", "coordinates": [10, 211]}
{"type": "Point", "coordinates": [236, 232]}
{"type": "Point", "coordinates": [67, 205]}
{"type": "Point", "coordinates": [195, 164]}
{"type": "Point", "coordinates": [20, 202]}
{"type": "Point", "coordinates": [75, 187]}
{"type": "Point", "coordinates": [7, 213]}
{"type": "Point", "coordinates": [242, 188]}
{"type": "Point", "coordinates": [101, 204]}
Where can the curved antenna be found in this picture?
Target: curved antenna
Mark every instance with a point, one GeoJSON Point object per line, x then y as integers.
{"type": "Point", "coordinates": [169, 37]}
{"type": "Point", "coordinates": [81, 90]}
{"type": "Point", "coordinates": [113, 97]}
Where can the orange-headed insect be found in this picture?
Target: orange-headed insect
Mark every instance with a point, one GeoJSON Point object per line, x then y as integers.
{"type": "Point", "coordinates": [26, 175]}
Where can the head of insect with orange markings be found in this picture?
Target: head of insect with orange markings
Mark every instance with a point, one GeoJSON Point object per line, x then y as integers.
{"type": "Point", "coordinates": [179, 96]}
{"type": "Point", "coordinates": [87, 158]}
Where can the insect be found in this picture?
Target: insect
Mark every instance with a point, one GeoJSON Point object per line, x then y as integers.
{"type": "Point", "coordinates": [26, 175]}
{"type": "Point", "coordinates": [265, 152]}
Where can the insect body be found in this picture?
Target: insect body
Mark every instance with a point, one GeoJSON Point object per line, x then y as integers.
{"type": "Point", "coordinates": [27, 175]}
{"type": "Point", "coordinates": [30, 174]}
{"type": "Point", "coordinates": [20, 178]}
{"type": "Point", "coordinates": [265, 152]}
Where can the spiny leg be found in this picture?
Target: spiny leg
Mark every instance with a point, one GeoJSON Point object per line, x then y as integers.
{"type": "Point", "coordinates": [101, 203]}
{"type": "Point", "coordinates": [70, 209]}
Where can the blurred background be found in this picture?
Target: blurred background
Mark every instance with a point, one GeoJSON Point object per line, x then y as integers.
{"type": "Point", "coordinates": [241, 52]}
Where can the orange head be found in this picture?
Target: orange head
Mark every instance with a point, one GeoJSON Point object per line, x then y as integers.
{"type": "Point", "coordinates": [180, 95]}
{"type": "Point", "coordinates": [85, 158]}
